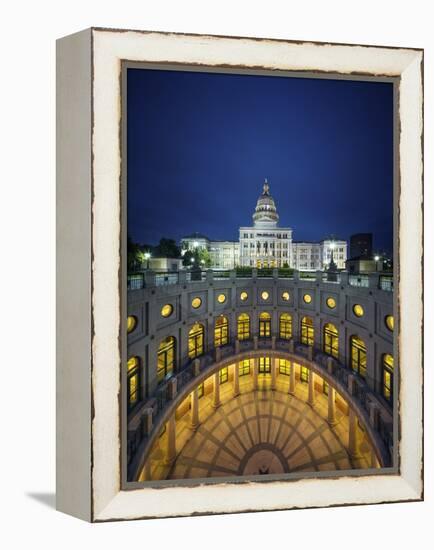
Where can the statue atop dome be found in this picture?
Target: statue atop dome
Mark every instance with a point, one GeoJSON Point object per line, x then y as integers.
{"type": "Point", "coordinates": [266, 190]}
{"type": "Point", "coordinates": [265, 212]}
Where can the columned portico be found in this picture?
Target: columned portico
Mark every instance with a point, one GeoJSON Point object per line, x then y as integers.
{"type": "Point", "coordinates": [292, 379]}
{"type": "Point", "coordinates": [255, 373]}
{"type": "Point", "coordinates": [171, 440]}
{"type": "Point", "coordinates": [331, 410]}
{"type": "Point", "coordinates": [194, 403]}
{"type": "Point", "coordinates": [274, 366]}
{"type": "Point", "coordinates": [353, 440]}
{"type": "Point", "coordinates": [311, 393]}
{"type": "Point", "coordinates": [216, 392]}
{"type": "Point", "coordinates": [236, 381]}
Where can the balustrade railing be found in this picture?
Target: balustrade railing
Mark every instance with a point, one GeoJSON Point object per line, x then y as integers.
{"type": "Point", "coordinates": [359, 280]}
{"type": "Point", "coordinates": [143, 279]}
{"type": "Point", "coordinates": [386, 283]}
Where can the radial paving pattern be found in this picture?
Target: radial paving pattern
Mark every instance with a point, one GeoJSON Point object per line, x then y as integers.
{"type": "Point", "coordinates": [259, 432]}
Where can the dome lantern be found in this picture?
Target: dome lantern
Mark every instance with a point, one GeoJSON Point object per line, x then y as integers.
{"type": "Point", "coordinates": [265, 212]}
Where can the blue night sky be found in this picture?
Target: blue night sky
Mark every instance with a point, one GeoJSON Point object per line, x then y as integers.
{"type": "Point", "coordinates": [201, 144]}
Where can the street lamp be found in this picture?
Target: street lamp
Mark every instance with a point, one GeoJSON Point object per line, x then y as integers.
{"type": "Point", "coordinates": [147, 255]}
{"type": "Point", "coordinates": [376, 258]}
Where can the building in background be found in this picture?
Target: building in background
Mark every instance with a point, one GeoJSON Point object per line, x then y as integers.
{"type": "Point", "coordinates": [266, 245]}
{"type": "Point", "coordinates": [361, 245]}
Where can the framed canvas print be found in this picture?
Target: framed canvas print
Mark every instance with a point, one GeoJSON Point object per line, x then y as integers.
{"type": "Point", "coordinates": [239, 274]}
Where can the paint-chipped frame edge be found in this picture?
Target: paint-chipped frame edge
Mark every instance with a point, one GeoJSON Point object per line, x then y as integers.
{"type": "Point", "coordinates": [89, 273]}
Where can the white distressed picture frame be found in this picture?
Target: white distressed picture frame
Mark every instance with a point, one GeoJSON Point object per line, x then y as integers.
{"type": "Point", "coordinates": [89, 320]}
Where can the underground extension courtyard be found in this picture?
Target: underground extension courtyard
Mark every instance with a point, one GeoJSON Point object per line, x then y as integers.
{"type": "Point", "coordinates": [258, 374]}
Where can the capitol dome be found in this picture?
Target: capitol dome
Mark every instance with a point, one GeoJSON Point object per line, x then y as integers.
{"type": "Point", "coordinates": [265, 212]}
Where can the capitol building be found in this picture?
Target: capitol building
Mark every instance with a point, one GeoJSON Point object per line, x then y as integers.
{"type": "Point", "coordinates": [267, 245]}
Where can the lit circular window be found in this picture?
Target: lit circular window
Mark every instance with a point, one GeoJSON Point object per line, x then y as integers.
{"type": "Point", "coordinates": [244, 296]}
{"type": "Point", "coordinates": [221, 298]}
{"type": "Point", "coordinates": [307, 298]}
{"type": "Point", "coordinates": [196, 302]}
{"type": "Point", "coordinates": [358, 310]}
{"type": "Point", "coordinates": [131, 323]}
{"type": "Point", "coordinates": [265, 295]}
{"type": "Point", "coordinates": [167, 310]}
{"type": "Point", "coordinates": [389, 322]}
{"type": "Point", "coordinates": [331, 302]}
{"type": "Point", "coordinates": [285, 296]}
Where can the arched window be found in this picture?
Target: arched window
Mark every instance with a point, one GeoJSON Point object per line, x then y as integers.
{"type": "Point", "coordinates": [244, 367]}
{"type": "Point", "coordinates": [264, 325]}
{"type": "Point", "coordinates": [221, 331]}
{"type": "Point", "coordinates": [387, 376]}
{"type": "Point", "coordinates": [166, 358]}
{"type": "Point", "coordinates": [307, 333]}
{"type": "Point", "coordinates": [358, 356]}
{"type": "Point", "coordinates": [284, 367]}
{"type": "Point", "coordinates": [304, 374]}
{"type": "Point", "coordinates": [133, 381]}
{"type": "Point", "coordinates": [331, 340]}
{"type": "Point", "coordinates": [285, 326]}
{"type": "Point", "coordinates": [243, 328]}
{"type": "Point", "coordinates": [264, 365]}
{"type": "Point", "coordinates": [195, 341]}
{"type": "Point", "coordinates": [223, 375]}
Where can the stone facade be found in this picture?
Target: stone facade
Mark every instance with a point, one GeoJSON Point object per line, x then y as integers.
{"type": "Point", "coordinates": [207, 301]}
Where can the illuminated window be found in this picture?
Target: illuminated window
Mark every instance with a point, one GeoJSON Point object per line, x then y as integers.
{"type": "Point", "coordinates": [388, 376]}
{"type": "Point", "coordinates": [243, 327]}
{"type": "Point", "coordinates": [196, 303]}
{"type": "Point", "coordinates": [264, 365]}
{"type": "Point", "coordinates": [131, 323]}
{"type": "Point", "coordinates": [195, 341]}
{"type": "Point", "coordinates": [221, 331]}
{"type": "Point", "coordinates": [166, 358]}
{"type": "Point", "coordinates": [244, 367]}
{"type": "Point", "coordinates": [285, 296]}
{"type": "Point", "coordinates": [223, 375]}
{"type": "Point", "coordinates": [265, 295]}
{"type": "Point", "coordinates": [331, 340]}
{"type": "Point", "coordinates": [285, 326]}
{"type": "Point", "coordinates": [244, 296]}
{"type": "Point", "coordinates": [307, 298]}
{"type": "Point", "coordinates": [200, 390]}
{"type": "Point", "coordinates": [389, 322]}
{"type": "Point", "coordinates": [133, 381]}
{"type": "Point", "coordinates": [284, 367]}
{"type": "Point", "coordinates": [304, 374]}
{"type": "Point", "coordinates": [167, 310]}
{"type": "Point", "coordinates": [221, 298]}
{"type": "Point", "coordinates": [307, 333]}
{"type": "Point", "coordinates": [325, 387]}
{"type": "Point", "coordinates": [358, 310]}
{"type": "Point", "coordinates": [331, 302]}
{"type": "Point", "coordinates": [264, 325]}
{"type": "Point", "coordinates": [358, 356]}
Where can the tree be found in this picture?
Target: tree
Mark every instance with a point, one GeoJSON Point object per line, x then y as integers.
{"type": "Point", "coordinates": [132, 251]}
{"type": "Point", "coordinates": [186, 259]}
{"type": "Point", "coordinates": [204, 258]}
{"type": "Point", "coordinates": [136, 254]}
{"type": "Point", "coordinates": [167, 248]}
